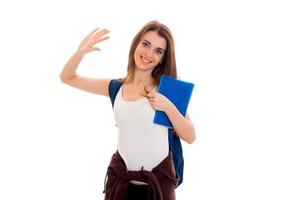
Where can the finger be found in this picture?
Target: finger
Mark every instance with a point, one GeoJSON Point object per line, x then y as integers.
{"type": "Point", "coordinates": [91, 49]}
{"type": "Point", "coordinates": [154, 106]}
{"type": "Point", "coordinates": [153, 100]}
{"type": "Point", "coordinates": [148, 89]}
{"type": "Point", "coordinates": [150, 95]}
{"type": "Point", "coordinates": [101, 33]}
{"type": "Point", "coordinates": [93, 31]}
{"type": "Point", "coordinates": [87, 38]}
{"type": "Point", "coordinates": [102, 39]}
{"type": "Point", "coordinates": [96, 49]}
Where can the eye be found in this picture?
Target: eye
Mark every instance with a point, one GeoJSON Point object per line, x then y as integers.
{"type": "Point", "coordinates": [145, 44]}
{"type": "Point", "coordinates": [159, 51]}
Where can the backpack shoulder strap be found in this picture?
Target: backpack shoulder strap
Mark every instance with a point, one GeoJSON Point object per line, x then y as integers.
{"type": "Point", "coordinates": [176, 149]}
{"type": "Point", "coordinates": [113, 89]}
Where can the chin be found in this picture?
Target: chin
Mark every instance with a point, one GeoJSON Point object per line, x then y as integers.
{"type": "Point", "coordinates": [145, 67]}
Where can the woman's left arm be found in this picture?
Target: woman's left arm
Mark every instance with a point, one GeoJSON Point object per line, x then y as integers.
{"type": "Point", "coordinates": [183, 125]}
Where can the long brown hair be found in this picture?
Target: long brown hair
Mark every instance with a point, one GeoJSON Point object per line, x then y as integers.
{"type": "Point", "coordinates": [167, 66]}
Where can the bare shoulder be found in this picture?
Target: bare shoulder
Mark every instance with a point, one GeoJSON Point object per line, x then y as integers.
{"type": "Point", "coordinates": [92, 85]}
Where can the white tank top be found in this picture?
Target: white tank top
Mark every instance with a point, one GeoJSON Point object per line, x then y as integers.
{"type": "Point", "coordinates": [141, 143]}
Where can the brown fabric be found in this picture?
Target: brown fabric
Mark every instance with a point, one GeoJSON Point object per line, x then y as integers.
{"type": "Point", "coordinates": [162, 179]}
{"type": "Point", "coordinates": [137, 192]}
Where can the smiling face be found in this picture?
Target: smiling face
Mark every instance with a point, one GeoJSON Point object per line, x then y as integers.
{"type": "Point", "coordinates": [149, 51]}
{"type": "Point", "coordinates": [152, 51]}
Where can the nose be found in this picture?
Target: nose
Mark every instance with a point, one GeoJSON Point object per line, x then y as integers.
{"type": "Point", "coordinates": [149, 53]}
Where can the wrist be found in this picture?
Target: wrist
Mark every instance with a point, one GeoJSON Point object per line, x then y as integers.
{"type": "Point", "coordinates": [80, 53]}
{"type": "Point", "coordinates": [170, 108]}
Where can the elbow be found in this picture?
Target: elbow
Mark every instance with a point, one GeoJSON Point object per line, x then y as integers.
{"type": "Point", "coordinates": [191, 140]}
{"type": "Point", "coordinates": [188, 135]}
{"type": "Point", "coordinates": [62, 79]}
{"type": "Point", "coordinates": [192, 137]}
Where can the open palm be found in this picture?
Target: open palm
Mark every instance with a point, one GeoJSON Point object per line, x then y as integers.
{"type": "Point", "coordinates": [96, 36]}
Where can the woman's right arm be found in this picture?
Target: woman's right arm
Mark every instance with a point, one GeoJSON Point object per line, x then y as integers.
{"type": "Point", "coordinates": [68, 74]}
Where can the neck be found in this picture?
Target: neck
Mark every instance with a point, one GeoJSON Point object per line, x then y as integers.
{"type": "Point", "coordinates": [141, 78]}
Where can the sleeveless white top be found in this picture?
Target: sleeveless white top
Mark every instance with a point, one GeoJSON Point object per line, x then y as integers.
{"type": "Point", "coordinates": [141, 143]}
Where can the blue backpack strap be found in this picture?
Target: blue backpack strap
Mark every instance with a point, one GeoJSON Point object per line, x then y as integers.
{"type": "Point", "coordinates": [174, 141]}
{"type": "Point", "coordinates": [113, 89]}
{"type": "Point", "coordinates": [176, 149]}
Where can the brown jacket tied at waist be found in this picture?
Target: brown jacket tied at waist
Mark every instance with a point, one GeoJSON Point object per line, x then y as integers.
{"type": "Point", "coordinates": [162, 179]}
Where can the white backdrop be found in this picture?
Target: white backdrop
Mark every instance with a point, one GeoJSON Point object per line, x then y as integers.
{"type": "Point", "coordinates": [243, 56]}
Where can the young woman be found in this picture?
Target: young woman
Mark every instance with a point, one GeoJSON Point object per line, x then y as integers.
{"type": "Point", "coordinates": [142, 167]}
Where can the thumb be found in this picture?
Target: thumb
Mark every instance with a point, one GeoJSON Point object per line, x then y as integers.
{"type": "Point", "coordinates": [91, 49]}
{"type": "Point", "coordinates": [96, 49]}
{"type": "Point", "coordinates": [147, 89]}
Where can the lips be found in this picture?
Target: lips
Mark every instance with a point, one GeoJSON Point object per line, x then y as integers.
{"type": "Point", "coordinates": [145, 60]}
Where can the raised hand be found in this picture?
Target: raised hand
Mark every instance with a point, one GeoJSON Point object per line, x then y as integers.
{"type": "Point", "coordinates": [96, 36]}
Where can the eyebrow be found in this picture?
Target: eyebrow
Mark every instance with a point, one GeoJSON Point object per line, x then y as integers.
{"type": "Point", "coordinates": [156, 48]}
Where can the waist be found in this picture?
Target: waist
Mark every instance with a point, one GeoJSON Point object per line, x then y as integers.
{"type": "Point", "coordinates": [135, 182]}
{"type": "Point", "coordinates": [119, 178]}
{"type": "Point", "coordinates": [165, 169]}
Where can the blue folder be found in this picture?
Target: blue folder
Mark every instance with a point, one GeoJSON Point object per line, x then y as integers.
{"type": "Point", "coordinates": [178, 92]}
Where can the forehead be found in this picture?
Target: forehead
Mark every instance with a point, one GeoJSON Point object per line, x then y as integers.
{"type": "Point", "coordinates": [155, 39]}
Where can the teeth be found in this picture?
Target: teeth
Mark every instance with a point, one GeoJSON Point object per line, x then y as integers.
{"type": "Point", "coordinates": [147, 61]}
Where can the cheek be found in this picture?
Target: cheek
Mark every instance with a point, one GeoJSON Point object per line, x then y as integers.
{"type": "Point", "coordinates": [138, 49]}
{"type": "Point", "coordinates": [136, 54]}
